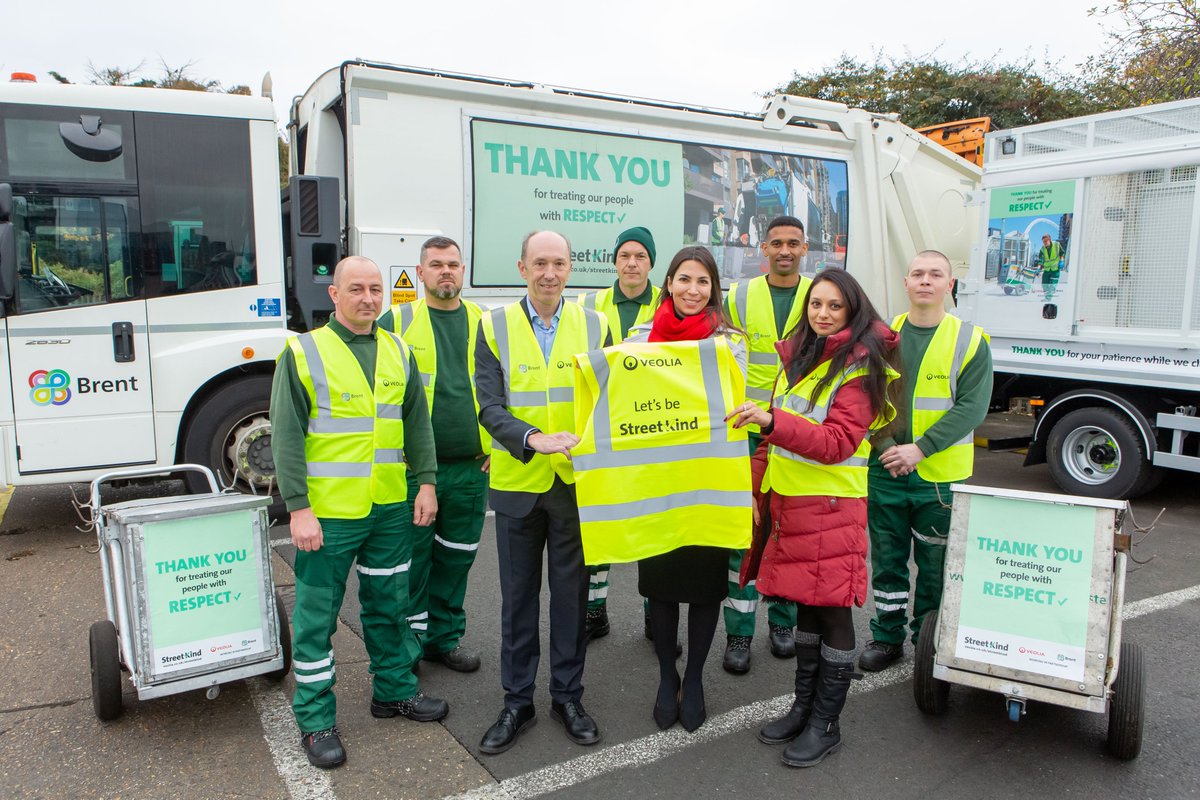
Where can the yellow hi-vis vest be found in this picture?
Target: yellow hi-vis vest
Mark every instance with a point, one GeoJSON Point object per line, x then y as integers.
{"type": "Point", "coordinates": [602, 302]}
{"type": "Point", "coordinates": [794, 475]}
{"type": "Point", "coordinates": [412, 322]}
{"type": "Point", "coordinates": [751, 309]}
{"type": "Point", "coordinates": [355, 444]}
{"type": "Point", "coordinates": [934, 392]}
{"type": "Point", "coordinates": [539, 393]}
{"type": "Point", "coordinates": [656, 466]}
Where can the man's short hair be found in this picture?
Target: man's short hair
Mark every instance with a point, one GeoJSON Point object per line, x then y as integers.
{"type": "Point", "coordinates": [531, 234]}
{"type": "Point", "coordinates": [785, 222]}
{"type": "Point", "coordinates": [439, 243]}
{"type": "Point", "coordinates": [934, 254]}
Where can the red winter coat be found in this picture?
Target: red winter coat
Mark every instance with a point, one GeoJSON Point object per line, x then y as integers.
{"type": "Point", "coordinates": [815, 549]}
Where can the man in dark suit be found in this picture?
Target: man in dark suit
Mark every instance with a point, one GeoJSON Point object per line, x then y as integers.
{"type": "Point", "coordinates": [524, 376]}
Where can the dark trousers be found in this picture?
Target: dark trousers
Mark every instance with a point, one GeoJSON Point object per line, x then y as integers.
{"type": "Point", "coordinates": [551, 526]}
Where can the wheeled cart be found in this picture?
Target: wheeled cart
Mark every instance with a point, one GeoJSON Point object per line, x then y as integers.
{"type": "Point", "coordinates": [188, 593]}
{"type": "Point", "coordinates": [1031, 610]}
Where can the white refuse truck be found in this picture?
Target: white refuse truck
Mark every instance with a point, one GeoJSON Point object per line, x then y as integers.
{"type": "Point", "coordinates": [148, 284]}
{"type": "Point", "coordinates": [1085, 275]}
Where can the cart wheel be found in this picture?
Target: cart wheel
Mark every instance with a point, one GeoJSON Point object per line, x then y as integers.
{"type": "Point", "coordinates": [106, 670]}
{"type": "Point", "coordinates": [1126, 709]}
{"type": "Point", "coordinates": [285, 641]}
{"type": "Point", "coordinates": [931, 694]}
{"type": "Point", "coordinates": [1014, 711]}
{"type": "Point", "coordinates": [1008, 290]}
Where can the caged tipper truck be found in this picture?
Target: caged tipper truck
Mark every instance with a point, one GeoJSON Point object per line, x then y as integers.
{"type": "Point", "coordinates": [1086, 276]}
{"type": "Point", "coordinates": [149, 274]}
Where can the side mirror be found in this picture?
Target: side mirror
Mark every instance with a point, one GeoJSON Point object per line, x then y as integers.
{"type": "Point", "coordinates": [8, 245]}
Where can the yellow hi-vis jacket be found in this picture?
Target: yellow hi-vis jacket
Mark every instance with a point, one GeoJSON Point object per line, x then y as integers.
{"type": "Point", "coordinates": [540, 393]}
{"type": "Point", "coordinates": [751, 309]}
{"type": "Point", "coordinates": [934, 390]}
{"type": "Point", "coordinates": [412, 322]}
{"type": "Point", "coordinates": [355, 444]}
{"type": "Point", "coordinates": [794, 475]}
{"type": "Point", "coordinates": [602, 302]}
{"type": "Point", "coordinates": [656, 466]}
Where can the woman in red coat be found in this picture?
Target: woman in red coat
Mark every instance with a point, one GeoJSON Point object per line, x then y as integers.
{"type": "Point", "coordinates": [810, 476]}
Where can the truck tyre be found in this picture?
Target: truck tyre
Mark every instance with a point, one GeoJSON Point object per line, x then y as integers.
{"type": "Point", "coordinates": [230, 433]}
{"type": "Point", "coordinates": [1098, 452]}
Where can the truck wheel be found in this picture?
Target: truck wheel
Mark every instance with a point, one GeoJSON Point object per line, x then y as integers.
{"type": "Point", "coordinates": [1126, 709]}
{"type": "Point", "coordinates": [106, 670]}
{"type": "Point", "coordinates": [1097, 452]}
{"type": "Point", "coordinates": [230, 433]}
{"type": "Point", "coordinates": [931, 694]}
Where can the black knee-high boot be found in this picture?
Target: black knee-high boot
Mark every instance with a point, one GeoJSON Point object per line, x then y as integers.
{"type": "Point", "coordinates": [822, 736]}
{"type": "Point", "coordinates": [808, 660]}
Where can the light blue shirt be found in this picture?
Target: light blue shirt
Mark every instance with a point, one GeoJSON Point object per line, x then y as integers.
{"type": "Point", "coordinates": [545, 336]}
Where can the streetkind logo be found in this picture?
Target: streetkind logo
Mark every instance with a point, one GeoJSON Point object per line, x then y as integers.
{"type": "Point", "coordinates": [633, 362]}
{"type": "Point", "coordinates": [987, 645]}
{"type": "Point", "coordinates": [49, 387]}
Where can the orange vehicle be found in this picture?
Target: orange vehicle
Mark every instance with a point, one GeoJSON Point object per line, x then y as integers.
{"type": "Point", "coordinates": [963, 138]}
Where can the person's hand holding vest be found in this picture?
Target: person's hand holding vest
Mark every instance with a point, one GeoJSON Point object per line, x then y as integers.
{"type": "Point", "coordinates": [551, 443]}
{"type": "Point", "coordinates": [749, 414]}
{"type": "Point", "coordinates": [306, 530]}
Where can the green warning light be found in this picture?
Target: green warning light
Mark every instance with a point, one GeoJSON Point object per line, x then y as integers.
{"type": "Point", "coordinates": [322, 269]}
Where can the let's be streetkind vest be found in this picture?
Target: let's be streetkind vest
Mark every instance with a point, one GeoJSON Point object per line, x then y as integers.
{"type": "Point", "coordinates": [540, 392]}
{"type": "Point", "coordinates": [354, 449]}
{"type": "Point", "coordinates": [657, 467]}
{"type": "Point", "coordinates": [413, 323]}
{"type": "Point", "coordinates": [794, 475]}
{"type": "Point", "coordinates": [934, 390]}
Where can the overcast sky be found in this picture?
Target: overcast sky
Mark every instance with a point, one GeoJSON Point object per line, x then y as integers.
{"type": "Point", "coordinates": [720, 54]}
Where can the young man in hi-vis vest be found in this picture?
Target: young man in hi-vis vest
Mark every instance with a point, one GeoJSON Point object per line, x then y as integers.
{"type": "Point", "coordinates": [440, 331]}
{"type": "Point", "coordinates": [348, 421]}
{"type": "Point", "coordinates": [766, 308]}
{"type": "Point", "coordinates": [630, 301]}
{"type": "Point", "coordinates": [946, 369]}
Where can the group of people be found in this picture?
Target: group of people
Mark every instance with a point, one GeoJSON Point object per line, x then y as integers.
{"type": "Point", "coordinates": [389, 431]}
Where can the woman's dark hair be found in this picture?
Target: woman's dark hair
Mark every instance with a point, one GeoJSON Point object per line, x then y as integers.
{"type": "Point", "coordinates": [866, 332]}
{"type": "Point", "coordinates": [701, 255]}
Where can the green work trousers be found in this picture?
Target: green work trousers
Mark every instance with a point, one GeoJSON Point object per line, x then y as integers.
{"type": "Point", "coordinates": [1050, 282]}
{"type": "Point", "coordinates": [381, 546]}
{"type": "Point", "coordinates": [741, 604]}
{"type": "Point", "coordinates": [442, 555]}
{"type": "Point", "coordinates": [905, 516]}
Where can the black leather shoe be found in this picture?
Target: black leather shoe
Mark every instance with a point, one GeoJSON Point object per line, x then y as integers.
{"type": "Point", "coordinates": [737, 655]}
{"type": "Point", "coordinates": [783, 642]}
{"type": "Point", "coordinates": [877, 656]}
{"type": "Point", "coordinates": [457, 659]}
{"type": "Point", "coordinates": [579, 725]}
{"type": "Point", "coordinates": [597, 626]}
{"type": "Point", "coordinates": [324, 748]}
{"type": "Point", "coordinates": [504, 732]}
{"type": "Point", "coordinates": [418, 708]}
{"type": "Point", "coordinates": [691, 707]}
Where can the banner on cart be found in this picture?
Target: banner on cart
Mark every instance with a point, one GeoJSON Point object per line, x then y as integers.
{"type": "Point", "coordinates": [203, 590]}
{"type": "Point", "coordinates": [1026, 586]}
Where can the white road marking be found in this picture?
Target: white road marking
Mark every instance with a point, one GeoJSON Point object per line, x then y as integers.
{"type": "Point", "coordinates": [303, 781]}
{"type": "Point", "coordinates": [649, 749]}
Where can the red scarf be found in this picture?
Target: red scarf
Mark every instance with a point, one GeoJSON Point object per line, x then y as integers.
{"type": "Point", "coordinates": [668, 327]}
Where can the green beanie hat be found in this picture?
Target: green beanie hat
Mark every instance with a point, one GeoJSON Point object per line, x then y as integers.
{"type": "Point", "coordinates": [640, 235]}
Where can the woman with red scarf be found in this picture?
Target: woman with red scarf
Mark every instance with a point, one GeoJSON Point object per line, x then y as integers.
{"type": "Point", "coordinates": [689, 309]}
{"type": "Point", "coordinates": [810, 479]}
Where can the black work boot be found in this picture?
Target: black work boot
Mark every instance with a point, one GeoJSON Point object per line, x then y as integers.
{"type": "Point", "coordinates": [737, 655]}
{"type": "Point", "coordinates": [788, 727]}
{"type": "Point", "coordinates": [878, 656]}
{"type": "Point", "coordinates": [822, 736]}
{"type": "Point", "coordinates": [597, 626]}
{"type": "Point", "coordinates": [783, 643]}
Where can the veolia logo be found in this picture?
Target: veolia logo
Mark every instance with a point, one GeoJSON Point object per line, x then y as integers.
{"type": "Point", "coordinates": [630, 363]}
{"type": "Point", "coordinates": [49, 387]}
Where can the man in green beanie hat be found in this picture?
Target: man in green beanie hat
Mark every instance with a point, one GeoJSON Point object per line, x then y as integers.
{"type": "Point", "coordinates": [628, 302]}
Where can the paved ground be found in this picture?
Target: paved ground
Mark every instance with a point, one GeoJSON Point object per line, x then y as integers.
{"type": "Point", "coordinates": [242, 744]}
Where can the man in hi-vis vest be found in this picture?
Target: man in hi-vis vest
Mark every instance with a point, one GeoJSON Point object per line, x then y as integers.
{"type": "Point", "coordinates": [766, 308]}
{"type": "Point", "coordinates": [440, 331]}
{"type": "Point", "coordinates": [525, 382]}
{"type": "Point", "coordinates": [947, 377]}
{"type": "Point", "coordinates": [348, 421]}
{"type": "Point", "coordinates": [630, 301]}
